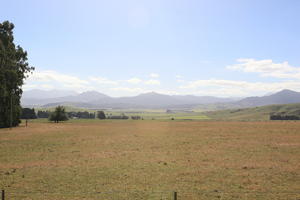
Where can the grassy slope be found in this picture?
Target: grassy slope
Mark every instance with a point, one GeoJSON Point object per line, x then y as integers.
{"type": "Point", "coordinates": [162, 115]}
{"type": "Point", "coordinates": [253, 114]}
{"type": "Point", "coordinates": [68, 109]}
{"type": "Point", "coordinates": [148, 159]}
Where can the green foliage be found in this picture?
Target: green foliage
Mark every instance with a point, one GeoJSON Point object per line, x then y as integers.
{"type": "Point", "coordinates": [101, 115]}
{"type": "Point", "coordinates": [122, 116]}
{"type": "Point", "coordinates": [136, 117]}
{"type": "Point", "coordinates": [43, 114]}
{"type": "Point", "coordinates": [284, 117]}
{"type": "Point", "coordinates": [81, 115]}
{"type": "Point", "coordinates": [14, 68]}
{"type": "Point", "coordinates": [59, 115]}
{"type": "Point", "coordinates": [28, 113]}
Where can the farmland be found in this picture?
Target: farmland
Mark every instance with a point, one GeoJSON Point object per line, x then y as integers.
{"type": "Point", "coordinates": [155, 114]}
{"type": "Point", "coordinates": [261, 113]}
{"type": "Point", "coordinates": [148, 159]}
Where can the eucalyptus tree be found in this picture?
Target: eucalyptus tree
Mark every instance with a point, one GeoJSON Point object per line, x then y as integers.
{"type": "Point", "coordinates": [14, 69]}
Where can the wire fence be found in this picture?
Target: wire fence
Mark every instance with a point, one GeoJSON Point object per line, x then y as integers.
{"type": "Point", "coordinates": [154, 195]}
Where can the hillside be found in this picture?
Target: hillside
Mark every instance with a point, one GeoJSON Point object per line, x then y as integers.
{"type": "Point", "coordinates": [254, 114]}
{"type": "Point", "coordinates": [281, 97]}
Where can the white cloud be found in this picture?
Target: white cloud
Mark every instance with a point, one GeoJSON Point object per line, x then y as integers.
{"type": "Point", "coordinates": [168, 92]}
{"type": "Point", "coordinates": [102, 80]}
{"type": "Point", "coordinates": [234, 88]}
{"type": "Point", "coordinates": [134, 80]}
{"type": "Point", "coordinates": [179, 79]}
{"type": "Point", "coordinates": [47, 86]}
{"type": "Point", "coordinates": [213, 82]}
{"type": "Point", "coordinates": [147, 82]}
{"type": "Point", "coordinates": [154, 75]}
{"type": "Point", "coordinates": [137, 91]}
{"type": "Point", "coordinates": [47, 76]}
{"type": "Point", "coordinates": [267, 68]}
{"type": "Point", "coordinates": [152, 82]}
{"type": "Point", "coordinates": [39, 86]}
{"type": "Point", "coordinates": [127, 89]}
{"type": "Point", "coordinates": [54, 79]}
{"type": "Point", "coordinates": [217, 87]}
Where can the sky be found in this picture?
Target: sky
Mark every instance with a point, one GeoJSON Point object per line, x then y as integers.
{"type": "Point", "coordinates": [232, 48]}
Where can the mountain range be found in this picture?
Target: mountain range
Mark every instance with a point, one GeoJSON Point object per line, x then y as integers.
{"type": "Point", "coordinates": [93, 99]}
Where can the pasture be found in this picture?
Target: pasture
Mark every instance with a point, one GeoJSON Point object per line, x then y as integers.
{"type": "Point", "coordinates": [148, 159]}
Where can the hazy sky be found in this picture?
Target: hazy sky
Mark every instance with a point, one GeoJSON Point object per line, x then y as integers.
{"type": "Point", "coordinates": [127, 47]}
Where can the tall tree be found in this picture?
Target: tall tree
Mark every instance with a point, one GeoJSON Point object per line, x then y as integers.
{"type": "Point", "coordinates": [14, 69]}
{"type": "Point", "coordinates": [59, 114]}
{"type": "Point", "coordinates": [101, 115]}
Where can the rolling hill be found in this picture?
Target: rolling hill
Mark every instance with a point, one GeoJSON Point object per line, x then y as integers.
{"type": "Point", "coordinates": [256, 113]}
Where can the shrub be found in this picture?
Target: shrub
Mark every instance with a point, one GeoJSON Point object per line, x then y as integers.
{"type": "Point", "coordinates": [284, 117]}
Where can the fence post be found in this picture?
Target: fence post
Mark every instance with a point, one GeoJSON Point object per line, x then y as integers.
{"type": "Point", "coordinates": [175, 195]}
{"type": "Point", "coordinates": [3, 195]}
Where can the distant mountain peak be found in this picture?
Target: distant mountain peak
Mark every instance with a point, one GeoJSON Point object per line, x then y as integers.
{"type": "Point", "coordinates": [286, 91]}
{"type": "Point", "coordinates": [91, 96]}
{"type": "Point", "coordinates": [285, 96]}
{"type": "Point", "coordinates": [151, 94]}
{"type": "Point", "coordinates": [92, 92]}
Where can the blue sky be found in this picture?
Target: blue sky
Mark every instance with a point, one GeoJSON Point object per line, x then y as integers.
{"type": "Point", "coordinates": [127, 47]}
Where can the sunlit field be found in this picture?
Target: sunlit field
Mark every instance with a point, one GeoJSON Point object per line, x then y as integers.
{"type": "Point", "coordinates": [149, 159]}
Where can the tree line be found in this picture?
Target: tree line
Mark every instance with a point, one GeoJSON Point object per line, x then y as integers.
{"type": "Point", "coordinates": [60, 114]}
{"type": "Point", "coordinates": [29, 113]}
{"type": "Point", "coordinates": [284, 117]}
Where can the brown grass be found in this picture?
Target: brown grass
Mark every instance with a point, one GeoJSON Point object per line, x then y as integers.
{"type": "Point", "coordinates": [149, 159]}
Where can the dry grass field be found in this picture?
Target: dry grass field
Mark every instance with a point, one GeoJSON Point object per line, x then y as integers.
{"type": "Point", "coordinates": [150, 159]}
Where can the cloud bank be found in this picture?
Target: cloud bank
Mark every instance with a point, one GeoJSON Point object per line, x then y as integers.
{"type": "Point", "coordinates": [285, 77]}
{"type": "Point", "coordinates": [266, 68]}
